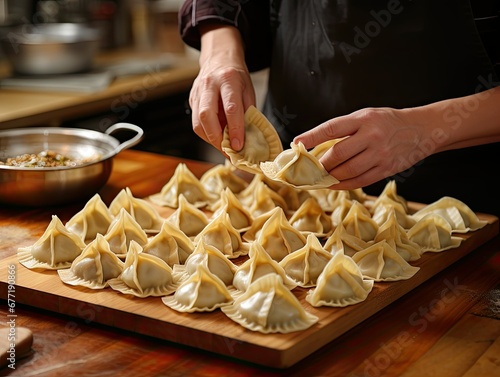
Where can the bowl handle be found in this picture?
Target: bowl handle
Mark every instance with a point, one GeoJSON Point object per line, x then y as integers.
{"type": "Point", "coordinates": [129, 143]}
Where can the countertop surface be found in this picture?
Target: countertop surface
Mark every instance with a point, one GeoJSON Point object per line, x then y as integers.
{"type": "Point", "coordinates": [151, 75]}
{"type": "Point", "coordinates": [448, 326]}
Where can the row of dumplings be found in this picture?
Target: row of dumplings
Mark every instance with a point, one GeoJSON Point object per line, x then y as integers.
{"type": "Point", "coordinates": [334, 244]}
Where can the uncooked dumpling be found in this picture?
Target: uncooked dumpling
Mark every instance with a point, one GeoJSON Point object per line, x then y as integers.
{"type": "Point", "coordinates": [57, 248]}
{"type": "Point", "coordinates": [344, 242]}
{"type": "Point", "coordinates": [220, 233]}
{"type": "Point", "coordinates": [222, 176]}
{"type": "Point", "coordinates": [239, 216]}
{"type": "Point", "coordinates": [268, 306]}
{"type": "Point", "coordinates": [94, 266]}
{"type": "Point", "coordinates": [279, 238]}
{"type": "Point", "coordinates": [94, 218]}
{"type": "Point", "coordinates": [257, 265]}
{"type": "Point", "coordinates": [460, 217]}
{"type": "Point", "coordinates": [306, 264]}
{"type": "Point", "coordinates": [122, 231]}
{"type": "Point", "coordinates": [262, 143]}
{"type": "Point", "coordinates": [340, 284]}
{"type": "Point", "coordinates": [144, 275]}
{"type": "Point", "coordinates": [188, 218]}
{"type": "Point", "coordinates": [381, 262]}
{"type": "Point", "coordinates": [396, 236]}
{"type": "Point", "coordinates": [202, 291]}
{"type": "Point", "coordinates": [212, 258]}
{"type": "Point", "coordinates": [310, 218]}
{"type": "Point", "coordinates": [298, 168]}
{"type": "Point", "coordinates": [186, 183]}
{"type": "Point", "coordinates": [259, 198]}
{"type": "Point", "coordinates": [142, 211]}
{"type": "Point", "coordinates": [433, 233]}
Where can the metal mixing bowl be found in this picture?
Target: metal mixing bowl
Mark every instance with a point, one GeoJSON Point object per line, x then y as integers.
{"type": "Point", "coordinates": [59, 185]}
{"type": "Point", "coordinates": [46, 49]}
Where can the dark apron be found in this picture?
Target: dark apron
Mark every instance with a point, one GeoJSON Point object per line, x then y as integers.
{"type": "Point", "coordinates": [331, 58]}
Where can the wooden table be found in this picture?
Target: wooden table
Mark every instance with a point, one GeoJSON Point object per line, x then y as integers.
{"type": "Point", "coordinates": [448, 326]}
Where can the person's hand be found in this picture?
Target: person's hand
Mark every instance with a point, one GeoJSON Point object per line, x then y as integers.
{"type": "Point", "coordinates": [381, 142]}
{"type": "Point", "coordinates": [223, 89]}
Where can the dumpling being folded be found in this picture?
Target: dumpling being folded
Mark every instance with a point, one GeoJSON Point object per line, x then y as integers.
{"type": "Point", "coordinates": [306, 264]}
{"type": "Point", "coordinates": [144, 275]}
{"type": "Point", "coordinates": [202, 291]}
{"type": "Point", "coordinates": [298, 168]}
{"type": "Point", "coordinates": [183, 182]}
{"type": "Point", "coordinates": [268, 306]}
{"type": "Point", "coordinates": [259, 264]}
{"type": "Point", "coordinates": [381, 262]}
{"type": "Point", "coordinates": [57, 248]}
{"type": "Point", "coordinates": [340, 284]}
{"type": "Point", "coordinates": [94, 266]}
{"type": "Point", "coordinates": [262, 142]}
{"type": "Point", "coordinates": [144, 213]}
{"type": "Point", "coordinates": [94, 218]}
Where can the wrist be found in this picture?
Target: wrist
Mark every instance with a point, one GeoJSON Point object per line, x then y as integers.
{"type": "Point", "coordinates": [219, 40]}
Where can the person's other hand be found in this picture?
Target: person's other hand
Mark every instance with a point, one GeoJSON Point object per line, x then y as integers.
{"type": "Point", "coordinates": [223, 89]}
{"type": "Point", "coordinates": [381, 142]}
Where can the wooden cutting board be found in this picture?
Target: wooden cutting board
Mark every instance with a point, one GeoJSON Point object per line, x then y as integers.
{"type": "Point", "coordinates": [214, 331]}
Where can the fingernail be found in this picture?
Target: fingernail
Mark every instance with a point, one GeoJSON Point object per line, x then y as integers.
{"type": "Point", "coordinates": [235, 143]}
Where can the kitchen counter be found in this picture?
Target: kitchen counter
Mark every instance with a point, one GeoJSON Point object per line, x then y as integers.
{"type": "Point", "coordinates": [22, 108]}
{"type": "Point", "coordinates": [448, 326]}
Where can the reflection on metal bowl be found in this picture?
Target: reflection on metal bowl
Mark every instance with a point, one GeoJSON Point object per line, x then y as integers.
{"type": "Point", "coordinates": [46, 49]}
{"type": "Point", "coordinates": [64, 184]}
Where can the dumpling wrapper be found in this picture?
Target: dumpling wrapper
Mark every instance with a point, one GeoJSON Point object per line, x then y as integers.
{"type": "Point", "coordinates": [202, 291]}
{"type": "Point", "coordinates": [299, 169]}
{"type": "Point", "coordinates": [340, 284]}
{"type": "Point", "coordinates": [262, 142]}
{"type": "Point", "coordinates": [57, 248]}
{"type": "Point", "coordinates": [268, 306]}
{"type": "Point", "coordinates": [94, 266]}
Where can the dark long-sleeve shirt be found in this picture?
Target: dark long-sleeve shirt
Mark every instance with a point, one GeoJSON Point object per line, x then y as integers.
{"type": "Point", "coordinates": [330, 58]}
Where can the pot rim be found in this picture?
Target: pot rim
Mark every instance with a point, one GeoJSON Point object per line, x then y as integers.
{"type": "Point", "coordinates": [82, 133]}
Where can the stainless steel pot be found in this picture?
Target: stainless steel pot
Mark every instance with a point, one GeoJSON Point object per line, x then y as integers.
{"type": "Point", "coordinates": [59, 185]}
{"type": "Point", "coordinates": [48, 49]}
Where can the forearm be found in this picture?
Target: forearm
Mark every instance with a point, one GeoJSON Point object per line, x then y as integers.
{"type": "Point", "coordinates": [459, 122]}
